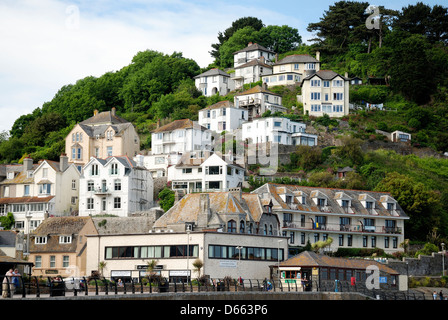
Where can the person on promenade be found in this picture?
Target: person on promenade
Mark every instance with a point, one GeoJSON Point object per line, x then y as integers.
{"type": "Point", "coordinates": [7, 286]}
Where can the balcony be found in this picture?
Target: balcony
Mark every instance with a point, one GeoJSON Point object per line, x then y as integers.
{"type": "Point", "coordinates": [101, 191]}
{"type": "Point", "coordinates": [336, 227]}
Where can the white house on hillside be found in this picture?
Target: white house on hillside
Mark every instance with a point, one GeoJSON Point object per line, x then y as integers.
{"type": "Point", "coordinates": [325, 92]}
{"type": "Point", "coordinates": [180, 136]}
{"type": "Point", "coordinates": [251, 71]}
{"type": "Point", "coordinates": [204, 173]}
{"type": "Point", "coordinates": [214, 81]}
{"type": "Point", "coordinates": [116, 186]}
{"type": "Point", "coordinates": [258, 100]}
{"type": "Point", "coordinates": [277, 130]}
{"type": "Point", "coordinates": [251, 52]}
{"type": "Point", "coordinates": [222, 116]}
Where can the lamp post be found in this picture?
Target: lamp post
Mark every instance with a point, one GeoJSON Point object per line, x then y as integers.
{"type": "Point", "coordinates": [188, 253]}
{"type": "Point", "coordinates": [278, 258]}
{"type": "Point", "coordinates": [239, 253]}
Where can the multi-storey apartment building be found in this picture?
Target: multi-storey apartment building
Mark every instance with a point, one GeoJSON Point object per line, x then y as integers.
{"type": "Point", "coordinates": [325, 92]}
{"type": "Point", "coordinates": [103, 135]}
{"type": "Point", "coordinates": [352, 218]}
{"type": "Point", "coordinates": [277, 130]}
{"type": "Point", "coordinates": [251, 71]}
{"type": "Point", "coordinates": [222, 116]}
{"type": "Point", "coordinates": [214, 81]}
{"type": "Point", "coordinates": [116, 186]}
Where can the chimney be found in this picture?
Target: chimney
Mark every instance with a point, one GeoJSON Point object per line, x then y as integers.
{"type": "Point", "coordinates": [237, 193]}
{"type": "Point", "coordinates": [158, 123]}
{"type": "Point", "coordinates": [63, 162]}
{"type": "Point", "coordinates": [204, 210]}
{"type": "Point", "coordinates": [346, 75]}
{"type": "Point", "coordinates": [276, 57]}
{"type": "Point", "coordinates": [95, 112]}
{"type": "Point", "coordinates": [113, 111]}
{"type": "Point", "coordinates": [249, 44]}
{"type": "Point", "coordinates": [318, 55]}
{"type": "Point", "coordinates": [262, 59]}
{"type": "Point", "coordinates": [27, 164]}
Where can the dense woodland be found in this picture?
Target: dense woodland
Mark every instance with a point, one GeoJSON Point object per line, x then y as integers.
{"type": "Point", "coordinates": [408, 51]}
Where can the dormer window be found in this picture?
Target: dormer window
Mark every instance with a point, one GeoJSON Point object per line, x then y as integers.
{"type": "Point", "coordinates": [114, 168]}
{"type": "Point", "coordinates": [40, 240]}
{"type": "Point", "coordinates": [65, 239]}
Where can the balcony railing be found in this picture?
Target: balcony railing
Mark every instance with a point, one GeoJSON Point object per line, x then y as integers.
{"type": "Point", "coordinates": [341, 227]}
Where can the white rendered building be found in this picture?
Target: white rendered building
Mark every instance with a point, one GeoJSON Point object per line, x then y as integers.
{"type": "Point", "coordinates": [204, 172]}
{"type": "Point", "coordinates": [257, 101]}
{"type": "Point", "coordinates": [278, 130]}
{"type": "Point", "coordinates": [115, 186]}
{"type": "Point", "coordinates": [213, 81]}
{"type": "Point", "coordinates": [251, 52]}
{"type": "Point", "coordinates": [180, 136]}
{"type": "Point", "coordinates": [222, 116]}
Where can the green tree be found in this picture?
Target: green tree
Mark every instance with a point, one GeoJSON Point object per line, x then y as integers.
{"type": "Point", "coordinates": [280, 39]}
{"type": "Point", "coordinates": [166, 196]}
{"type": "Point", "coordinates": [7, 222]}
{"type": "Point", "coordinates": [422, 205]}
{"type": "Point", "coordinates": [240, 23]}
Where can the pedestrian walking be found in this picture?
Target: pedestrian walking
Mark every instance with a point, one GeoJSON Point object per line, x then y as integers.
{"type": "Point", "coordinates": [15, 280]}
{"type": "Point", "coordinates": [441, 295]}
{"type": "Point", "coordinates": [7, 286]}
{"type": "Point", "coordinates": [434, 295]}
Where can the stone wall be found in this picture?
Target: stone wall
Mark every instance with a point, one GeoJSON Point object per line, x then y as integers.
{"type": "Point", "coordinates": [421, 266]}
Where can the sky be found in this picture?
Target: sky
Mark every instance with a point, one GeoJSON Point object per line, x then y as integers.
{"type": "Point", "coordinates": [46, 44]}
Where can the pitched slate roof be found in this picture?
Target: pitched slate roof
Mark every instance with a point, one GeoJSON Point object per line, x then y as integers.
{"type": "Point", "coordinates": [274, 191]}
{"type": "Point", "coordinates": [179, 124]}
{"type": "Point", "coordinates": [312, 259]}
{"type": "Point", "coordinates": [325, 75]}
{"type": "Point", "coordinates": [123, 225]}
{"type": "Point", "coordinates": [296, 58]}
{"type": "Point", "coordinates": [213, 72]}
{"type": "Point", "coordinates": [106, 117]}
{"type": "Point", "coordinates": [254, 62]}
{"type": "Point", "coordinates": [219, 105]}
{"type": "Point", "coordinates": [257, 89]}
{"type": "Point", "coordinates": [54, 227]}
{"type": "Point", "coordinates": [188, 208]}
{"type": "Point", "coordinates": [254, 47]}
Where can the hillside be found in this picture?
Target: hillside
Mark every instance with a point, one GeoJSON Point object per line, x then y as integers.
{"type": "Point", "coordinates": [411, 61]}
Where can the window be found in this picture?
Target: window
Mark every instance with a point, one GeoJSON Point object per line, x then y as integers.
{"type": "Point", "coordinates": [26, 190]}
{"type": "Point", "coordinates": [38, 261]}
{"type": "Point", "coordinates": [40, 240]}
{"type": "Point", "coordinates": [338, 83]}
{"type": "Point", "coordinates": [73, 184]}
{"type": "Point", "coordinates": [338, 108]}
{"type": "Point", "coordinates": [296, 66]}
{"type": "Point", "coordinates": [315, 107]}
{"type": "Point", "coordinates": [242, 226]}
{"type": "Point", "coordinates": [45, 188]}
{"type": "Point", "coordinates": [315, 95]}
{"type": "Point", "coordinates": [338, 96]}
{"type": "Point", "coordinates": [187, 170]}
{"type": "Point", "coordinates": [114, 168]}
{"type": "Point", "coordinates": [212, 170]}
{"type": "Point", "coordinates": [117, 185]}
{"type": "Point", "coordinates": [109, 151]}
{"type": "Point", "coordinates": [52, 261]}
{"type": "Point", "coordinates": [231, 226]}
{"type": "Point", "coordinates": [94, 170]}
{"type": "Point", "coordinates": [89, 203]}
{"type": "Point", "coordinates": [117, 203]}
{"type": "Point", "coordinates": [326, 84]}
{"type": "Point", "coordinates": [65, 261]}
{"type": "Point", "coordinates": [65, 239]}
{"type": "Point", "coordinates": [315, 83]}
{"type": "Point", "coordinates": [90, 185]}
